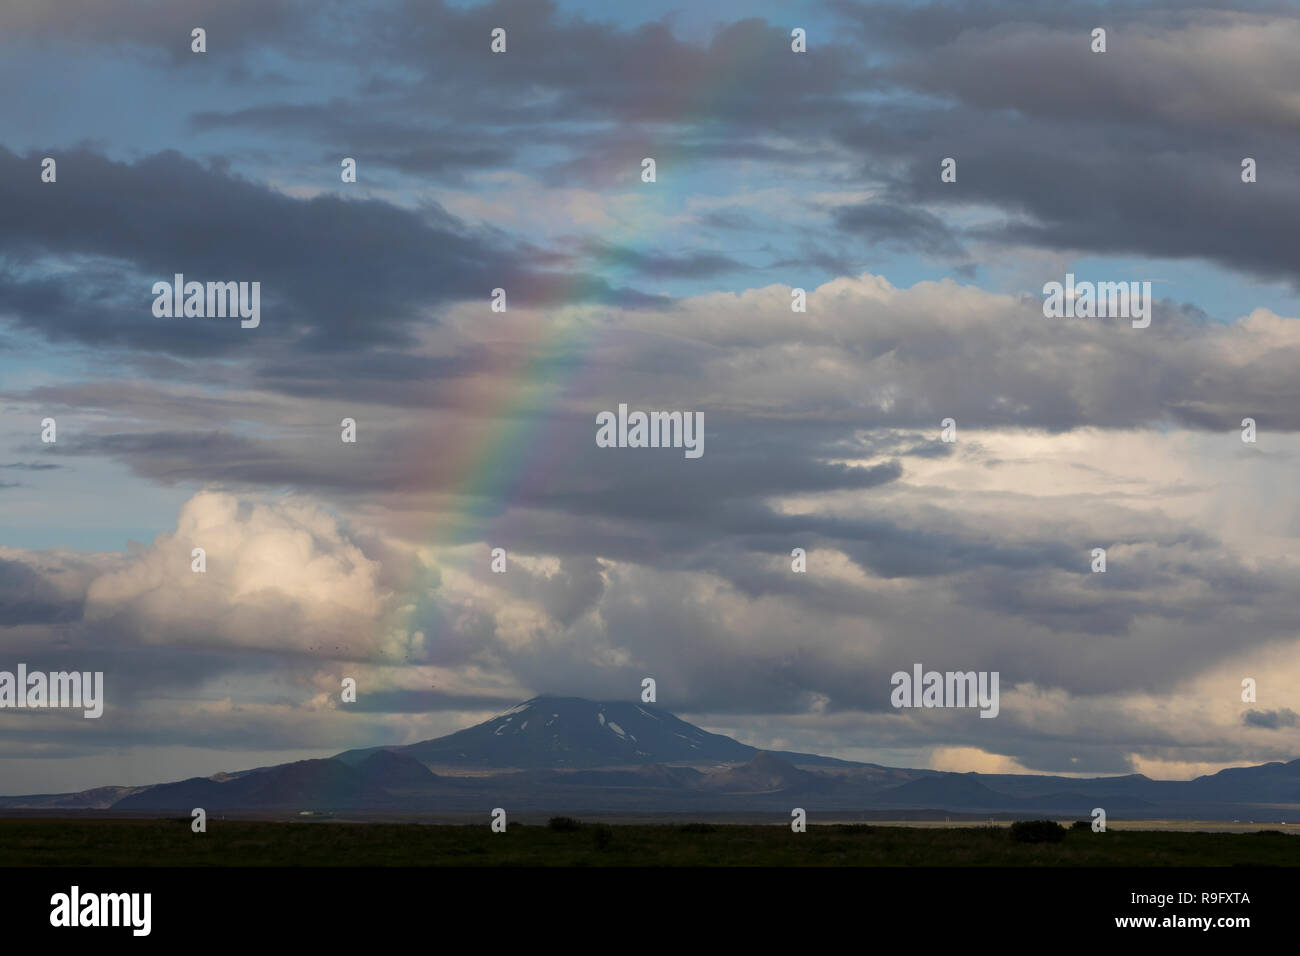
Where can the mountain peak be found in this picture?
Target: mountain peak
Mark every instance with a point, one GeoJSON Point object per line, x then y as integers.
{"type": "Point", "coordinates": [550, 731]}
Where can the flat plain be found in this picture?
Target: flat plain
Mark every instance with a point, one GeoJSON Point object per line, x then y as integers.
{"type": "Point", "coordinates": [49, 841]}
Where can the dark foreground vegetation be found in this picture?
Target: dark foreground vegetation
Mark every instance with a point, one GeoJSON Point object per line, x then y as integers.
{"type": "Point", "coordinates": [100, 842]}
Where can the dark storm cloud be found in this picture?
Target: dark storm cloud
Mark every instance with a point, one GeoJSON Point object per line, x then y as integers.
{"type": "Point", "coordinates": [905, 228]}
{"type": "Point", "coordinates": [630, 89]}
{"type": "Point", "coordinates": [222, 458]}
{"type": "Point", "coordinates": [1271, 719]}
{"type": "Point", "coordinates": [27, 597]}
{"type": "Point", "coordinates": [596, 70]}
{"type": "Point", "coordinates": [1041, 581]}
{"type": "Point", "coordinates": [592, 482]}
{"type": "Point", "coordinates": [1160, 199]}
{"type": "Point", "coordinates": [1099, 152]}
{"type": "Point", "coordinates": [383, 376]}
{"type": "Point", "coordinates": [336, 275]}
{"type": "Point", "coordinates": [156, 25]}
{"type": "Point", "coordinates": [906, 28]}
{"type": "Point", "coordinates": [1031, 114]}
{"type": "Point", "coordinates": [142, 401]}
{"type": "Point", "coordinates": [831, 261]}
{"type": "Point", "coordinates": [352, 124]}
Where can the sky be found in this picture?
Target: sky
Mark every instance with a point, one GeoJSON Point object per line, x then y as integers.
{"type": "Point", "coordinates": [775, 170]}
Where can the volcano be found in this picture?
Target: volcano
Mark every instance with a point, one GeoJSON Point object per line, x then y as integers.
{"type": "Point", "coordinates": [571, 733]}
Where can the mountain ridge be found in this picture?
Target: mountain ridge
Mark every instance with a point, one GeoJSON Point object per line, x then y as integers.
{"type": "Point", "coordinates": [569, 754]}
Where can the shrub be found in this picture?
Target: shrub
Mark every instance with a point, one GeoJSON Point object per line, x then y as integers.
{"type": "Point", "coordinates": [698, 828]}
{"type": "Point", "coordinates": [602, 835]}
{"type": "Point", "coordinates": [564, 824]}
{"type": "Point", "coordinates": [1081, 825]}
{"type": "Point", "coordinates": [1037, 831]}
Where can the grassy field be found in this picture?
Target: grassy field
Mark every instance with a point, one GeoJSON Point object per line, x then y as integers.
{"type": "Point", "coordinates": [100, 842]}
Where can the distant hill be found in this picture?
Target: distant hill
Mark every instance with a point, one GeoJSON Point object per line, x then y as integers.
{"type": "Point", "coordinates": [975, 792]}
{"type": "Point", "coordinates": [385, 768]}
{"type": "Point", "coordinates": [767, 772]}
{"type": "Point", "coordinates": [98, 798]}
{"type": "Point", "coordinates": [303, 783]}
{"type": "Point", "coordinates": [954, 790]}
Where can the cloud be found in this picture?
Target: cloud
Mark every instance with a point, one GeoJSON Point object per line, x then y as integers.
{"type": "Point", "coordinates": [161, 24]}
{"type": "Point", "coordinates": [131, 225]}
{"type": "Point", "coordinates": [1271, 719]}
{"type": "Point", "coordinates": [279, 576]}
{"type": "Point", "coordinates": [901, 226]}
{"type": "Point", "coordinates": [29, 596]}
